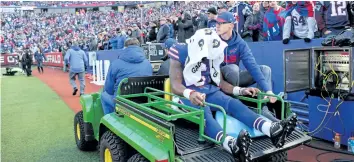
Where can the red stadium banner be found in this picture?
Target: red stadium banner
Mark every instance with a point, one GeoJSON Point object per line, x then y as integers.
{"type": "Point", "coordinates": [8, 59]}
{"type": "Point", "coordinates": [54, 59]}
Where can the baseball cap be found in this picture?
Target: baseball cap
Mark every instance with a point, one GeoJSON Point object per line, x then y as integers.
{"type": "Point", "coordinates": [212, 10]}
{"type": "Point", "coordinates": [168, 43]}
{"type": "Point", "coordinates": [226, 17]}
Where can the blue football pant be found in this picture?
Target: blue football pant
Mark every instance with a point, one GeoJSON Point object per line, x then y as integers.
{"type": "Point", "coordinates": [232, 107]}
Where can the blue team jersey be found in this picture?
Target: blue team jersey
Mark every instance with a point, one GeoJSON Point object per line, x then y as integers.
{"type": "Point", "coordinates": [179, 52]}
{"type": "Point", "coordinates": [336, 14]}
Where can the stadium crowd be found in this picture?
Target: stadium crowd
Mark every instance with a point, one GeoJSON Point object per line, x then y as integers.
{"type": "Point", "coordinates": [96, 30]}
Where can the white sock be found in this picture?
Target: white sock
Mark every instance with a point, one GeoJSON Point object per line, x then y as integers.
{"type": "Point", "coordinates": [225, 144]}
{"type": "Point", "coordinates": [266, 128]}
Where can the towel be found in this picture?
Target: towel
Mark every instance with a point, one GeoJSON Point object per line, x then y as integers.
{"type": "Point", "coordinates": [205, 43]}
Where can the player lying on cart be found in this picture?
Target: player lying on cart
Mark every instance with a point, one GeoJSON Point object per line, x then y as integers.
{"type": "Point", "coordinates": [195, 74]}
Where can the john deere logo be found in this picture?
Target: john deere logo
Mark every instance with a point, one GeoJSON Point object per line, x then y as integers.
{"type": "Point", "coordinates": [216, 43]}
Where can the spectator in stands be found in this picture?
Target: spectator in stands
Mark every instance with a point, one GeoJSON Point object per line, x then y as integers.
{"type": "Point", "coordinates": [335, 16]}
{"type": "Point", "coordinates": [78, 62]}
{"type": "Point", "coordinates": [165, 66]}
{"type": "Point", "coordinates": [152, 32]}
{"type": "Point", "coordinates": [172, 31]}
{"type": "Point", "coordinates": [39, 57]}
{"type": "Point", "coordinates": [131, 63]}
{"type": "Point", "coordinates": [236, 51]}
{"type": "Point", "coordinates": [202, 20]}
{"type": "Point", "coordinates": [351, 13]}
{"type": "Point", "coordinates": [241, 10]}
{"type": "Point", "coordinates": [129, 33]}
{"type": "Point", "coordinates": [118, 41]}
{"type": "Point", "coordinates": [136, 33]}
{"type": "Point", "coordinates": [265, 6]}
{"type": "Point", "coordinates": [222, 8]}
{"type": "Point", "coordinates": [185, 27]}
{"type": "Point", "coordinates": [253, 25]}
{"type": "Point", "coordinates": [212, 14]}
{"type": "Point", "coordinates": [319, 12]}
{"type": "Point", "coordinates": [273, 23]}
{"type": "Point", "coordinates": [299, 16]}
{"type": "Point", "coordinates": [164, 31]}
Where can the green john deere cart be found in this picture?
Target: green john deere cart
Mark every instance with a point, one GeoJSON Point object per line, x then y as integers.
{"type": "Point", "coordinates": [145, 127]}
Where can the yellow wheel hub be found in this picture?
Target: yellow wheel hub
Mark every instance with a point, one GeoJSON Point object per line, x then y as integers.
{"type": "Point", "coordinates": [107, 156]}
{"type": "Point", "coordinates": [78, 133]}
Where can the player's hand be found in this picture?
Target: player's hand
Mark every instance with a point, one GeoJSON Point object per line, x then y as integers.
{"type": "Point", "coordinates": [197, 98]}
{"type": "Point", "coordinates": [271, 99]}
{"type": "Point", "coordinates": [249, 91]}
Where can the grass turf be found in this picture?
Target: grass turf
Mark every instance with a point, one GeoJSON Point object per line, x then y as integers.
{"type": "Point", "coordinates": [36, 125]}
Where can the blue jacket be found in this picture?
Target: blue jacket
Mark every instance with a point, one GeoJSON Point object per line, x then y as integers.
{"type": "Point", "coordinates": [131, 63]}
{"type": "Point", "coordinates": [238, 50]}
{"type": "Point", "coordinates": [117, 42]}
{"type": "Point", "coordinates": [39, 57]}
{"type": "Point", "coordinates": [77, 59]}
{"type": "Point", "coordinates": [163, 34]}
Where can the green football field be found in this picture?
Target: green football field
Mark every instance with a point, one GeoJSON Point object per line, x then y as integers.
{"type": "Point", "coordinates": [36, 125]}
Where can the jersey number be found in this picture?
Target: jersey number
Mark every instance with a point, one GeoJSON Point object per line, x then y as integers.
{"type": "Point", "coordinates": [301, 20]}
{"type": "Point", "coordinates": [338, 8]}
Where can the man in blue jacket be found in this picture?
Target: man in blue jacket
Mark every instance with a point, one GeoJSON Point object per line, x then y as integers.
{"type": "Point", "coordinates": [76, 58]}
{"type": "Point", "coordinates": [164, 31]}
{"type": "Point", "coordinates": [237, 51]}
{"type": "Point", "coordinates": [131, 63]}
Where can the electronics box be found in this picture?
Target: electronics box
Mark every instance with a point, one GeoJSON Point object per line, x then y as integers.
{"type": "Point", "coordinates": [319, 69]}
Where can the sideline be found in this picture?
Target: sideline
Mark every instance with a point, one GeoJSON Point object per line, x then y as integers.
{"type": "Point", "coordinates": [36, 125]}
{"type": "Point", "coordinates": [58, 81]}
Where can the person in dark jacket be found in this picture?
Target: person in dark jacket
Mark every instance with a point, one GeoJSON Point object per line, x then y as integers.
{"type": "Point", "coordinates": [165, 66]}
{"type": "Point", "coordinates": [131, 63]}
{"type": "Point", "coordinates": [164, 31]}
{"type": "Point", "coordinates": [212, 14]}
{"type": "Point", "coordinates": [76, 58]}
{"type": "Point", "coordinates": [185, 27]}
{"type": "Point", "coordinates": [202, 20]}
{"type": "Point", "coordinates": [27, 60]}
{"type": "Point", "coordinates": [253, 25]}
{"type": "Point", "coordinates": [152, 32]}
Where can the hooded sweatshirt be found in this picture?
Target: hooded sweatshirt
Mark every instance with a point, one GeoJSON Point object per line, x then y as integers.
{"type": "Point", "coordinates": [77, 59]}
{"type": "Point", "coordinates": [131, 63]}
{"type": "Point", "coordinates": [236, 51]}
